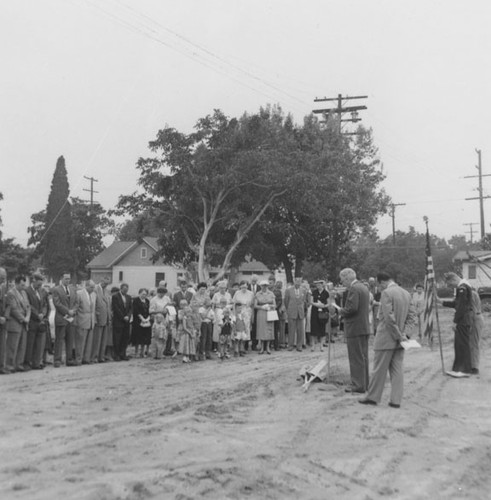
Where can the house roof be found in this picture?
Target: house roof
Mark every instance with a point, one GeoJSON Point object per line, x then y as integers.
{"type": "Point", "coordinates": [253, 265]}
{"type": "Point", "coordinates": [469, 255]}
{"type": "Point", "coordinates": [117, 250]}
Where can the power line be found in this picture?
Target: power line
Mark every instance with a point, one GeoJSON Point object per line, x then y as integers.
{"type": "Point", "coordinates": [481, 196]}
{"type": "Point", "coordinates": [340, 110]}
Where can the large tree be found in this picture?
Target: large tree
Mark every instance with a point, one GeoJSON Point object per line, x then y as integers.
{"type": "Point", "coordinates": [209, 189]}
{"type": "Point", "coordinates": [56, 244]}
{"type": "Point", "coordinates": [337, 198]}
{"type": "Point", "coordinates": [90, 225]}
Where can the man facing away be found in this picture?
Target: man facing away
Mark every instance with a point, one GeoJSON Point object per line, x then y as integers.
{"type": "Point", "coordinates": [356, 329]}
{"type": "Point", "coordinates": [397, 316]}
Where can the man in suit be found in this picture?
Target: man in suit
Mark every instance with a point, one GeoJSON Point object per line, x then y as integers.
{"type": "Point", "coordinates": [397, 316]}
{"type": "Point", "coordinates": [463, 320]}
{"type": "Point", "coordinates": [296, 304]}
{"type": "Point", "coordinates": [355, 313]}
{"type": "Point", "coordinates": [85, 322]}
{"type": "Point", "coordinates": [18, 315]}
{"type": "Point", "coordinates": [121, 306]}
{"type": "Point", "coordinates": [36, 332]}
{"type": "Point", "coordinates": [102, 320]}
{"type": "Point", "coordinates": [65, 302]}
{"type": "Point", "coordinates": [3, 322]}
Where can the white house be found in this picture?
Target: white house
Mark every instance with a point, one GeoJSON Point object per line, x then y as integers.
{"type": "Point", "coordinates": [476, 266]}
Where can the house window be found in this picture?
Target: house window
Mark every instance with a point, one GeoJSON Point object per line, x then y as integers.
{"type": "Point", "coordinates": [158, 278]}
{"type": "Point", "coordinates": [471, 272]}
{"type": "Point", "coordinates": [143, 253]}
{"type": "Point", "coordinates": [120, 275]}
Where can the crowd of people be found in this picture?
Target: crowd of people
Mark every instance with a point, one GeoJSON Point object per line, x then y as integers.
{"type": "Point", "coordinates": [97, 323]}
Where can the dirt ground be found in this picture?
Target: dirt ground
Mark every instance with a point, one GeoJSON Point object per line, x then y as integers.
{"type": "Point", "coordinates": [243, 428]}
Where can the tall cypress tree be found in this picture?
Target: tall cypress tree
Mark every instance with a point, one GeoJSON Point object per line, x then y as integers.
{"type": "Point", "coordinates": [59, 250]}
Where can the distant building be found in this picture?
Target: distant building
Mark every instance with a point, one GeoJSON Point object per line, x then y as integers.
{"type": "Point", "coordinates": [476, 266]}
{"type": "Point", "coordinates": [132, 262]}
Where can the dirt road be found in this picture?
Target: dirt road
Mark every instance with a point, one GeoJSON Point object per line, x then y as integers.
{"type": "Point", "coordinates": [243, 428]}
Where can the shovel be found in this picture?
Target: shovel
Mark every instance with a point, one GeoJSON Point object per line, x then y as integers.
{"type": "Point", "coordinates": [311, 375]}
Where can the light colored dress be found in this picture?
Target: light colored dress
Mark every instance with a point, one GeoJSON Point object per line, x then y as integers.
{"type": "Point", "coordinates": [246, 299]}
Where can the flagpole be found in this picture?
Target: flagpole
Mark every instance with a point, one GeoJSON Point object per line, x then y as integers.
{"type": "Point", "coordinates": [435, 302]}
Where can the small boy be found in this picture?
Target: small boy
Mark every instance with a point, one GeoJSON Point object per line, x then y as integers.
{"type": "Point", "coordinates": [225, 339]}
{"type": "Point", "coordinates": [159, 335]}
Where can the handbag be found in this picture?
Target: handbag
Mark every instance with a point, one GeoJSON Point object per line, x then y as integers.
{"type": "Point", "coordinates": [145, 323]}
{"type": "Point", "coordinates": [272, 315]}
{"type": "Point", "coordinates": [324, 315]}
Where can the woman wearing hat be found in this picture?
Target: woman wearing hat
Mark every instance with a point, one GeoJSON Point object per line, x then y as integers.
{"type": "Point", "coordinates": [264, 302]}
{"type": "Point", "coordinates": [318, 319]}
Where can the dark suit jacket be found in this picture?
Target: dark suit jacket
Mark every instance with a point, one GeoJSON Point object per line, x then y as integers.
{"type": "Point", "coordinates": [462, 304]}
{"type": "Point", "coordinates": [38, 306]}
{"type": "Point", "coordinates": [63, 303]}
{"type": "Point", "coordinates": [120, 309]}
{"type": "Point", "coordinates": [356, 310]}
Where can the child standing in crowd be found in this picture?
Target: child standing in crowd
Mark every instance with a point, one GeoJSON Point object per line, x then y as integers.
{"type": "Point", "coordinates": [217, 323]}
{"type": "Point", "coordinates": [206, 328]}
{"type": "Point", "coordinates": [187, 343]}
{"type": "Point", "coordinates": [225, 339]}
{"type": "Point", "coordinates": [159, 335]}
{"type": "Point", "coordinates": [240, 333]}
{"type": "Point", "coordinates": [172, 329]}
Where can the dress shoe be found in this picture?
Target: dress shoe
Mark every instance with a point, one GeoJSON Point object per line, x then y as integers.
{"type": "Point", "coordinates": [354, 390]}
{"type": "Point", "coordinates": [20, 369]}
{"type": "Point", "coordinates": [125, 358]}
{"type": "Point", "coordinates": [367, 402]}
{"type": "Point", "coordinates": [5, 371]}
{"type": "Point", "coordinates": [38, 367]}
{"type": "Point", "coordinates": [474, 371]}
{"type": "Point", "coordinates": [299, 350]}
{"type": "Point", "coordinates": [394, 405]}
{"type": "Point", "coordinates": [290, 348]}
{"type": "Point", "coordinates": [57, 364]}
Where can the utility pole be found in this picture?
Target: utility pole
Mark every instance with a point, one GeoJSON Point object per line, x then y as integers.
{"type": "Point", "coordinates": [91, 190]}
{"type": "Point", "coordinates": [392, 213]}
{"type": "Point", "coordinates": [471, 230]}
{"type": "Point", "coordinates": [341, 110]}
{"type": "Point", "coordinates": [480, 190]}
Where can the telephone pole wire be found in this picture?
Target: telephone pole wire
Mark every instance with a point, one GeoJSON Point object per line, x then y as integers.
{"type": "Point", "coordinates": [471, 230]}
{"type": "Point", "coordinates": [340, 110]}
{"type": "Point", "coordinates": [481, 196]}
{"type": "Point", "coordinates": [91, 190]}
{"type": "Point", "coordinates": [392, 213]}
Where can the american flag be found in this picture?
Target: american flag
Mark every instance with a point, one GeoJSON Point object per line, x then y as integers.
{"type": "Point", "coordinates": [428, 292]}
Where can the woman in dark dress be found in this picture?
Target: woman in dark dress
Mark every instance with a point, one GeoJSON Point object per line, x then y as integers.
{"type": "Point", "coordinates": [319, 314]}
{"type": "Point", "coordinates": [141, 333]}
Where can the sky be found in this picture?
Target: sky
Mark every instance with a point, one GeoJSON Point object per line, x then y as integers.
{"type": "Point", "coordinates": [94, 80]}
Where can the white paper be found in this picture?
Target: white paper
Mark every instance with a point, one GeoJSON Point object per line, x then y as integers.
{"type": "Point", "coordinates": [410, 344]}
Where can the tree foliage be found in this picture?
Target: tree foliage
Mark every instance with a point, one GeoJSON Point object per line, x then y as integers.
{"type": "Point", "coordinates": [90, 225]}
{"type": "Point", "coordinates": [208, 189]}
{"type": "Point", "coordinates": [405, 261]}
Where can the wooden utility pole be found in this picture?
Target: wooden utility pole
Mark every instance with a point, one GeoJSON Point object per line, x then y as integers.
{"type": "Point", "coordinates": [340, 110]}
{"type": "Point", "coordinates": [91, 190]}
{"type": "Point", "coordinates": [480, 190]}
{"type": "Point", "coordinates": [392, 213]}
{"type": "Point", "coordinates": [471, 230]}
